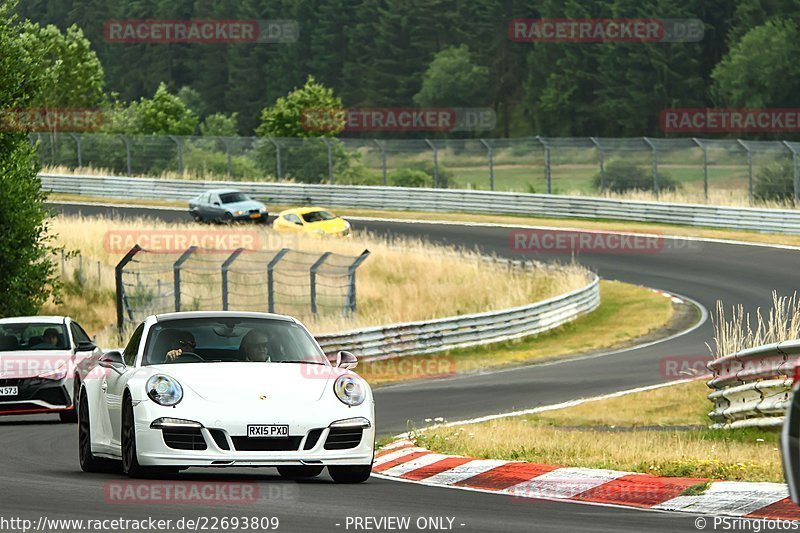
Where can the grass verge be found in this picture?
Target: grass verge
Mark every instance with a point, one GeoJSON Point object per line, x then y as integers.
{"type": "Point", "coordinates": [626, 312]}
{"type": "Point", "coordinates": [662, 432]}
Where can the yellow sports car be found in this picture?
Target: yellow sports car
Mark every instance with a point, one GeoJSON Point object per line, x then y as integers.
{"type": "Point", "coordinates": [311, 221]}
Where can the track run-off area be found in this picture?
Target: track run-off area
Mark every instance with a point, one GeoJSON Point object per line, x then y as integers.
{"type": "Point", "coordinates": [41, 455]}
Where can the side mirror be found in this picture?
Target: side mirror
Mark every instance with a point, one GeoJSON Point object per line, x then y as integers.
{"type": "Point", "coordinates": [346, 360]}
{"type": "Point", "coordinates": [112, 360]}
{"type": "Point", "coordinates": [86, 346]}
{"type": "Point", "coordinates": [216, 203]}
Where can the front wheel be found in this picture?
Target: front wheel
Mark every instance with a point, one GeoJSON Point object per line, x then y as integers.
{"type": "Point", "coordinates": [294, 472]}
{"type": "Point", "coordinates": [350, 474]}
{"type": "Point", "coordinates": [130, 457]}
{"type": "Point", "coordinates": [89, 462]}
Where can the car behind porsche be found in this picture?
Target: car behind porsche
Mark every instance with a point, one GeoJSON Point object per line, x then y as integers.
{"type": "Point", "coordinates": [43, 360]}
{"type": "Point", "coordinates": [227, 389]}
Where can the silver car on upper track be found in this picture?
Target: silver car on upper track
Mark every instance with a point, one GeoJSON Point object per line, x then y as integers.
{"type": "Point", "coordinates": [227, 206]}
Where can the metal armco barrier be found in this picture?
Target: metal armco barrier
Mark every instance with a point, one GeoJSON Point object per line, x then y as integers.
{"type": "Point", "coordinates": [752, 387]}
{"type": "Point", "coordinates": [437, 200]}
{"type": "Point", "coordinates": [414, 338]}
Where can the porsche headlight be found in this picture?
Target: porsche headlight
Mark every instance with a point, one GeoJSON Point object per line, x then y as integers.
{"type": "Point", "coordinates": [164, 390]}
{"type": "Point", "coordinates": [350, 390]}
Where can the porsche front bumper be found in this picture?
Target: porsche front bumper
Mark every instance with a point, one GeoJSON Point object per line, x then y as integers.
{"type": "Point", "coordinates": [314, 439]}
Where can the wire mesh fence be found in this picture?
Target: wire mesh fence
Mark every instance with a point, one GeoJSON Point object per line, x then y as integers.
{"type": "Point", "coordinates": [590, 166]}
{"type": "Point", "coordinates": [200, 279]}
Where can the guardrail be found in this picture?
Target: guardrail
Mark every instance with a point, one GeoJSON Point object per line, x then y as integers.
{"type": "Point", "coordinates": [438, 200]}
{"type": "Point", "coordinates": [752, 387]}
{"type": "Point", "coordinates": [428, 336]}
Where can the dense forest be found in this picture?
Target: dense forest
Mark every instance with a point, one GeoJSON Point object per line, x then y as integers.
{"type": "Point", "coordinates": [376, 53]}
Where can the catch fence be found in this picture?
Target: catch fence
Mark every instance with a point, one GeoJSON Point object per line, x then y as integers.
{"type": "Point", "coordinates": [697, 168]}
{"type": "Point", "coordinates": [277, 281]}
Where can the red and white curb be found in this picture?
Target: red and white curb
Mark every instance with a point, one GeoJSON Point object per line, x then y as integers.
{"type": "Point", "coordinates": [401, 460]}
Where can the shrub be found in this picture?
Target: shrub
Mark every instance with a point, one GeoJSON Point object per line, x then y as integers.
{"type": "Point", "coordinates": [623, 176]}
{"type": "Point", "coordinates": [775, 181]}
{"type": "Point", "coordinates": [410, 177]}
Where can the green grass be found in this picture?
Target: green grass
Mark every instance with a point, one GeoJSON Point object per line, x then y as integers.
{"type": "Point", "coordinates": [662, 432]}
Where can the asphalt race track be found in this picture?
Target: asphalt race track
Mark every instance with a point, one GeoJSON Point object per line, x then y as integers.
{"type": "Point", "coordinates": [41, 475]}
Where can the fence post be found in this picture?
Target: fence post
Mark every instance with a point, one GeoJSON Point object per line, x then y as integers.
{"type": "Point", "coordinates": [63, 264]}
{"type": "Point", "coordinates": [547, 175]}
{"type": "Point", "coordinates": [179, 143]}
{"type": "Point", "coordinates": [796, 180]}
{"type": "Point", "coordinates": [271, 279]}
{"type": "Point", "coordinates": [99, 274]}
{"type": "Point", "coordinates": [491, 163]}
{"type": "Point", "coordinates": [749, 169]}
{"type": "Point", "coordinates": [655, 166]}
{"type": "Point", "coordinates": [277, 157]}
{"type": "Point", "coordinates": [705, 166]}
{"type": "Point", "coordinates": [127, 143]}
{"type": "Point", "coordinates": [224, 274]}
{"type": "Point", "coordinates": [77, 139]}
{"type": "Point", "coordinates": [383, 161]}
{"type": "Point", "coordinates": [313, 280]}
{"type": "Point", "coordinates": [227, 142]}
{"type": "Point", "coordinates": [119, 285]}
{"type": "Point", "coordinates": [350, 305]}
{"type": "Point", "coordinates": [330, 159]}
{"type": "Point", "coordinates": [601, 157]}
{"type": "Point", "coordinates": [176, 275]}
{"type": "Point", "coordinates": [435, 163]}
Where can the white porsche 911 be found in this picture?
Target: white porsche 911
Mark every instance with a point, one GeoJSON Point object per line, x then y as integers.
{"type": "Point", "coordinates": [226, 389]}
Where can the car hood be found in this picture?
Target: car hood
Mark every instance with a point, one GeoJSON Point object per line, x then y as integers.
{"type": "Point", "coordinates": [244, 206]}
{"type": "Point", "coordinates": [22, 364]}
{"type": "Point", "coordinates": [337, 225]}
{"type": "Point", "coordinates": [248, 382]}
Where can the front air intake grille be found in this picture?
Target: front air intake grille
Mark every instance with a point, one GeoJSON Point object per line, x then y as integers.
{"type": "Point", "coordinates": [343, 438]}
{"type": "Point", "coordinates": [284, 444]}
{"type": "Point", "coordinates": [313, 437]}
{"type": "Point", "coordinates": [219, 437]}
{"type": "Point", "coordinates": [184, 438]}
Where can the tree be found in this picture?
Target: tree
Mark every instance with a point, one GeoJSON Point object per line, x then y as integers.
{"type": "Point", "coordinates": [165, 114]}
{"type": "Point", "coordinates": [72, 76]}
{"type": "Point", "coordinates": [296, 114]}
{"type": "Point", "coordinates": [26, 253]}
{"type": "Point", "coordinates": [311, 113]}
{"type": "Point", "coordinates": [454, 80]}
{"type": "Point", "coordinates": [761, 70]}
{"type": "Point", "coordinates": [219, 125]}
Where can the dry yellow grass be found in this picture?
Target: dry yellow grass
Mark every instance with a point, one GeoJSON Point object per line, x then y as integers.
{"type": "Point", "coordinates": [626, 312]}
{"type": "Point", "coordinates": [402, 280]}
{"type": "Point", "coordinates": [742, 331]}
{"type": "Point", "coordinates": [623, 434]}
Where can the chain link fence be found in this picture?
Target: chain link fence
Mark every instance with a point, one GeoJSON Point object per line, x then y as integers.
{"type": "Point", "coordinates": [698, 168]}
{"type": "Point", "coordinates": [281, 281]}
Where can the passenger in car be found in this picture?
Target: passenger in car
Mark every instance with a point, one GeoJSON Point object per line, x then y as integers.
{"type": "Point", "coordinates": [255, 347]}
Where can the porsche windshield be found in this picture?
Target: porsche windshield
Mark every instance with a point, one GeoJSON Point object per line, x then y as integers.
{"type": "Point", "coordinates": [198, 340]}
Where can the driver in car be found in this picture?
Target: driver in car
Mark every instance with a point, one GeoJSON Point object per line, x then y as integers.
{"type": "Point", "coordinates": [184, 342]}
{"type": "Point", "coordinates": [255, 347]}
